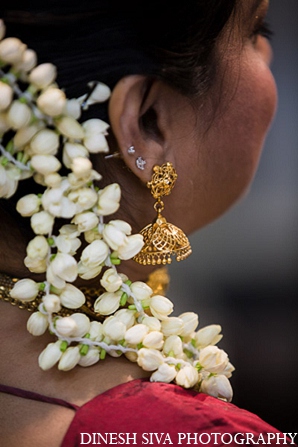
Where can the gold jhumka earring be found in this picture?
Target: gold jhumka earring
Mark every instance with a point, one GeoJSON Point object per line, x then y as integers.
{"type": "Point", "coordinates": [162, 239]}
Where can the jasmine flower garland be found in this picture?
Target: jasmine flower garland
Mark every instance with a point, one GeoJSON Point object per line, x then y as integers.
{"type": "Point", "coordinates": [37, 122]}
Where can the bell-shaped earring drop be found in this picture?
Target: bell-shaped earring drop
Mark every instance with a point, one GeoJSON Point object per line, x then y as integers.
{"type": "Point", "coordinates": [162, 239]}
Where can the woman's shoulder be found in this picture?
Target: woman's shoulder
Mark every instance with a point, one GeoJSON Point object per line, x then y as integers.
{"type": "Point", "coordinates": [140, 412]}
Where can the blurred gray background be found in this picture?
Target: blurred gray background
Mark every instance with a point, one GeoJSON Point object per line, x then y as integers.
{"type": "Point", "coordinates": [243, 271]}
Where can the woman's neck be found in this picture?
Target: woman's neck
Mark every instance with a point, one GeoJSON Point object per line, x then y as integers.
{"type": "Point", "coordinates": [20, 367]}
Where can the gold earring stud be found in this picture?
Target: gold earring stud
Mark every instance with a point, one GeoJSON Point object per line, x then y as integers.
{"type": "Point", "coordinates": [161, 238]}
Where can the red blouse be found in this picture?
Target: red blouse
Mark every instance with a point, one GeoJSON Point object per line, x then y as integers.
{"type": "Point", "coordinates": [143, 413]}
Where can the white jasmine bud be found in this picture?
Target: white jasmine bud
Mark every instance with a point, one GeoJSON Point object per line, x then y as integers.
{"type": "Point", "coordinates": [8, 185]}
{"type": "Point", "coordinates": [67, 244]}
{"type": "Point", "coordinates": [51, 303]}
{"type": "Point", "coordinates": [35, 265]}
{"type": "Point", "coordinates": [28, 61]}
{"type": "Point", "coordinates": [8, 181]}
{"type": "Point", "coordinates": [114, 237]}
{"type": "Point", "coordinates": [6, 95]}
{"type": "Point", "coordinates": [64, 266]}
{"type": "Point", "coordinates": [82, 325]}
{"type": "Point", "coordinates": [190, 322]}
{"type": "Point", "coordinates": [53, 180]}
{"type": "Point", "coordinates": [4, 124]}
{"type": "Point", "coordinates": [153, 340]}
{"type": "Point", "coordinates": [45, 142]}
{"type": "Point", "coordinates": [70, 128]}
{"type": "Point", "coordinates": [18, 115]}
{"type": "Point", "coordinates": [187, 377]}
{"type": "Point", "coordinates": [54, 201]}
{"type": "Point", "coordinates": [92, 235]}
{"type": "Point", "coordinates": [72, 108]}
{"type": "Point", "coordinates": [95, 253]}
{"type": "Point", "coordinates": [109, 199]}
{"type": "Point", "coordinates": [131, 247]}
{"type": "Point", "coordinates": [85, 221]}
{"type": "Point", "coordinates": [94, 139]}
{"type": "Point", "coordinates": [42, 222]}
{"type": "Point", "coordinates": [90, 358]}
{"type": "Point", "coordinates": [160, 307]}
{"type": "Point", "coordinates": [52, 101]}
{"type": "Point", "coordinates": [96, 144]}
{"type": "Point", "coordinates": [72, 151]}
{"type": "Point", "coordinates": [149, 359]}
{"type": "Point", "coordinates": [69, 359]}
{"type": "Point", "coordinates": [43, 75]}
{"type": "Point", "coordinates": [95, 126]}
{"type": "Point", "coordinates": [121, 225]}
{"type": "Point", "coordinates": [171, 326]}
{"type": "Point", "coordinates": [107, 303]}
{"type": "Point", "coordinates": [96, 331]}
{"type": "Point", "coordinates": [39, 178]}
{"type": "Point", "coordinates": [25, 134]}
{"type": "Point", "coordinates": [217, 386]}
{"type": "Point", "coordinates": [84, 199]}
{"type": "Point", "coordinates": [127, 317]}
{"type": "Point", "coordinates": [86, 272]}
{"type": "Point", "coordinates": [213, 359]}
{"type": "Point", "coordinates": [37, 323]}
{"type": "Point", "coordinates": [65, 326]}
{"type": "Point", "coordinates": [209, 335]}
{"type": "Point", "coordinates": [28, 205]}
{"type": "Point", "coordinates": [70, 231]}
{"type": "Point", "coordinates": [140, 290]}
{"type": "Point", "coordinates": [50, 355]}
{"type": "Point", "coordinates": [38, 248]}
{"type": "Point", "coordinates": [11, 50]}
{"type": "Point", "coordinates": [173, 346]}
{"type": "Point", "coordinates": [72, 297]}
{"type": "Point", "coordinates": [114, 329]}
{"type": "Point", "coordinates": [100, 93]}
{"type": "Point", "coordinates": [135, 334]}
{"type": "Point", "coordinates": [131, 356]}
{"type": "Point", "coordinates": [228, 370]}
{"type": "Point", "coordinates": [152, 323]}
{"type": "Point", "coordinates": [45, 164]}
{"type": "Point", "coordinates": [81, 167]}
{"type": "Point", "coordinates": [25, 290]}
{"type": "Point", "coordinates": [111, 281]}
{"type": "Point", "coordinates": [165, 373]}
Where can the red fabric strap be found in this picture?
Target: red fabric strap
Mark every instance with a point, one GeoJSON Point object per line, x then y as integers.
{"type": "Point", "coordinates": [36, 396]}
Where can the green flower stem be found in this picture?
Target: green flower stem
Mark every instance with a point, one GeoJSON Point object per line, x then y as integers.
{"type": "Point", "coordinates": [51, 241]}
{"type": "Point", "coordinates": [10, 147]}
{"type": "Point", "coordinates": [4, 161]}
{"type": "Point", "coordinates": [123, 299]}
{"type": "Point", "coordinates": [84, 349]}
{"type": "Point", "coordinates": [63, 346]}
{"type": "Point", "coordinates": [41, 286]}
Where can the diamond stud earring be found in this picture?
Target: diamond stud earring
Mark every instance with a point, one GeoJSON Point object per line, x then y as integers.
{"type": "Point", "coordinates": [140, 163]}
{"type": "Point", "coordinates": [131, 150]}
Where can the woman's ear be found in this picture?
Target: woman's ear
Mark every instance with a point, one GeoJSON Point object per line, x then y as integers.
{"type": "Point", "coordinates": [138, 120]}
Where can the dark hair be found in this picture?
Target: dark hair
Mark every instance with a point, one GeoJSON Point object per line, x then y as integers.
{"type": "Point", "coordinates": [106, 40]}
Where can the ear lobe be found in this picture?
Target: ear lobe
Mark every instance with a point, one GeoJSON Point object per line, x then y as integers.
{"type": "Point", "coordinates": [135, 122]}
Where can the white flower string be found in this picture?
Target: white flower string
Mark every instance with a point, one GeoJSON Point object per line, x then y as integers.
{"type": "Point", "coordinates": [36, 121]}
